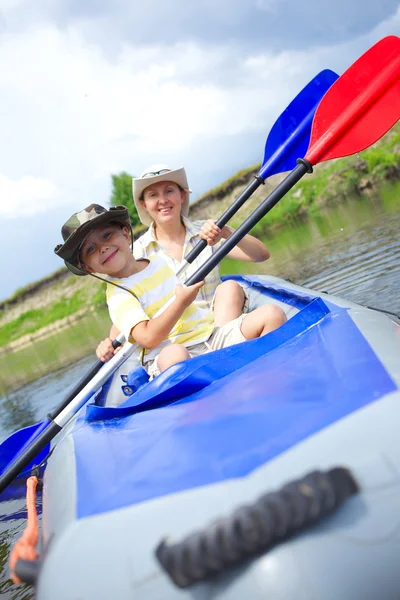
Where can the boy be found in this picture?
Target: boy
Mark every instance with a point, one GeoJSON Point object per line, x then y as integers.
{"type": "Point", "coordinates": [97, 242]}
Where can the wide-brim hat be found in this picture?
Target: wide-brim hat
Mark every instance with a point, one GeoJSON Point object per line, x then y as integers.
{"type": "Point", "coordinates": [155, 174]}
{"type": "Point", "coordinates": [78, 227]}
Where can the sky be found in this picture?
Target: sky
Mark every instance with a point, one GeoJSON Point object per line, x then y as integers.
{"type": "Point", "coordinates": [90, 88]}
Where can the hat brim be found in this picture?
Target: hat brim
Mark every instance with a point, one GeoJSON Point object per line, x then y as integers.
{"type": "Point", "coordinates": [69, 250]}
{"type": "Point", "coordinates": [139, 184]}
{"type": "Point", "coordinates": [75, 270]}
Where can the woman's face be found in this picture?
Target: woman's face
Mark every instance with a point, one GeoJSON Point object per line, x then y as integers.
{"type": "Point", "coordinates": [163, 201]}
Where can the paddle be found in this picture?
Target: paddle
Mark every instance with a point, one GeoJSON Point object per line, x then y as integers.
{"type": "Point", "coordinates": [358, 109]}
{"type": "Point", "coordinates": [20, 440]}
{"type": "Point", "coordinates": [287, 141]}
{"type": "Point", "coordinates": [47, 431]}
{"type": "Point", "coordinates": [371, 87]}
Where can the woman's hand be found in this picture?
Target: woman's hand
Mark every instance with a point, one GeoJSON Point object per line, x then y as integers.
{"type": "Point", "coordinates": [105, 350]}
{"type": "Point", "coordinates": [185, 295]}
{"type": "Point", "coordinates": [212, 234]}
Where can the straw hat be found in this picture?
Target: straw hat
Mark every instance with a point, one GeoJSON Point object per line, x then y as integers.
{"type": "Point", "coordinates": [155, 174]}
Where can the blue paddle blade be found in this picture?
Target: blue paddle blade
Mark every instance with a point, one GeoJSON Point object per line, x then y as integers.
{"type": "Point", "coordinates": [16, 443]}
{"type": "Point", "coordinates": [289, 138]}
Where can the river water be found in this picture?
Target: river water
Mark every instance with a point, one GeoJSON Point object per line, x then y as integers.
{"type": "Point", "coordinates": [351, 250]}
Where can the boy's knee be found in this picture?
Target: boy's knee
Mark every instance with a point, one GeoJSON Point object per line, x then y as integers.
{"type": "Point", "coordinates": [231, 289]}
{"type": "Point", "coordinates": [275, 314]}
{"type": "Point", "coordinates": [171, 355]}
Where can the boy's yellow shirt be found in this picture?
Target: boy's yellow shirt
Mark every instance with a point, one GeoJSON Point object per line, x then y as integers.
{"type": "Point", "coordinates": [152, 288]}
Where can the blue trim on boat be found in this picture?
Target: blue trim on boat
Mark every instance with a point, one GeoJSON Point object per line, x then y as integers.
{"type": "Point", "coordinates": [295, 298]}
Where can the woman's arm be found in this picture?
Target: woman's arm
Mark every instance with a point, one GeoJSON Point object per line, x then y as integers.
{"type": "Point", "coordinates": [249, 248]}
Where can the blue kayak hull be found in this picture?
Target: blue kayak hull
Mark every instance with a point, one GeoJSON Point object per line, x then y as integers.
{"type": "Point", "coordinates": [216, 432]}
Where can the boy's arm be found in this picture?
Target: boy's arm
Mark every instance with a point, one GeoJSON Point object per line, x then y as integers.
{"type": "Point", "coordinates": [249, 248]}
{"type": "Point", "coordinates": [114, 332]}
{"type": "Point", "coordinates": [149, 334]}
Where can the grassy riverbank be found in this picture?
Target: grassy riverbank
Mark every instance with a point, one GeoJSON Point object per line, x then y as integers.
{"type": "Point", "coordinates": [35, 319]}
{"type": "Point", "coordinates": [59, 349]}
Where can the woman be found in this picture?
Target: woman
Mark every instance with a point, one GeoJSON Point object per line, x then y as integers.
{"type": "Point", "coordinates": [161, 197]}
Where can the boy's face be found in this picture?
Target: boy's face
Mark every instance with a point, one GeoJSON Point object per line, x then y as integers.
{"type": "Point", "coordinates": [163, 201]}
{"type": "Point", "coordinates": [106, 250]}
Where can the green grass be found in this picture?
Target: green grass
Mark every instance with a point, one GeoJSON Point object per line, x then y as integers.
{"type": "Point", "coordinates": [376, 157]}
{"type": "Point", "coordinates": [30, 287]}
{"type": "Point", "coordinates": [35, 319]}
{"type": "Point", "coordinates": [390, 195]}
{"type": "Point", "coordinates": [99, 296]}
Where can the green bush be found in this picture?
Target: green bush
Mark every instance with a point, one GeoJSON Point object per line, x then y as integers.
{"type": "Point", "coordinates": [376, 157]}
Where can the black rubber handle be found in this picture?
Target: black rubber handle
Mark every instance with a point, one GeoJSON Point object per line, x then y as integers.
{"type": "Point", "coordinates": [27, 570]}
{"type": "Point", "coordinates": [253, 529]}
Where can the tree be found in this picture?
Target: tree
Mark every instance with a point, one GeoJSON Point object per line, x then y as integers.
{"type": "Point", "coordinates": [122, 194]}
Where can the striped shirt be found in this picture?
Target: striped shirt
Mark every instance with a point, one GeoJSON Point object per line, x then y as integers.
{"type": "Point", "coordinates": [148, 246]}
{"type": "Point", "coordinates": [152, 288]}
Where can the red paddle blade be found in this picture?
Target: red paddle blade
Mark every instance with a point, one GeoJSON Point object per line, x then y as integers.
{"type": "Point", "coordinates": [361, 106]}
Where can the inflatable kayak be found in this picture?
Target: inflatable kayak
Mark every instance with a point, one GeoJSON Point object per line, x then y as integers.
{"type": "Point", "coordinates": [269, 469]}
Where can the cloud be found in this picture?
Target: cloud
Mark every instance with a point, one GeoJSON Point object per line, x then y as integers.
{"type": "Point", "coordinates": [249, 25]}
{"type": "Point", "coordinates": [190, 87]}
{"type": "Point", "coordinates": [74, 115]}
{"type": "Point", "coordinates": [27, 196]}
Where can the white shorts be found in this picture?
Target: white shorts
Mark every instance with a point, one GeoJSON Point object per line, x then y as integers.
{"type": "Point", "coordinates": [223, 336]}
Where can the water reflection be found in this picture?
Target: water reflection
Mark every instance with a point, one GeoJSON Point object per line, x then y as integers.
{"type": "Point", "coordinates": [352, 250]}
{"type": "Point", "coordinates": [16, 412]}
{"type": "Point", "coordinates": [34, 401]}
{"type": "Point", "coordinates": [9, 532]}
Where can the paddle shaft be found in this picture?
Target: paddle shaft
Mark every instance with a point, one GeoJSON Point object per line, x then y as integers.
{"type": "Point", "coordinates": [266, 205]}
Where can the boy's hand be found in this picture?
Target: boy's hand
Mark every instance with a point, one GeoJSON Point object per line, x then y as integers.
{"type": "Point", "coordinates": [212, 234]}
{"type": "Point", "coordinates": [186, 295]}
{"type": "Point", "coordinates": [105, 350]}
